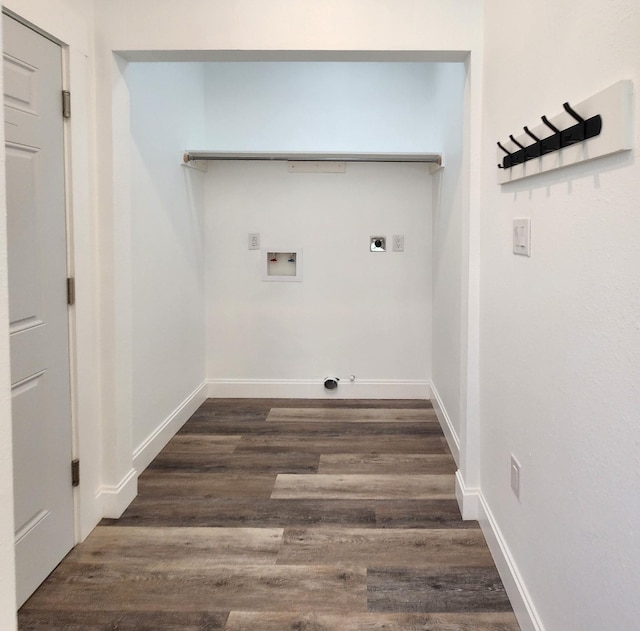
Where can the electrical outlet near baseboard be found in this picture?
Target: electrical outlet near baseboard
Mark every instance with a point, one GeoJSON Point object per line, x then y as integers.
{"type": "Point", "coordinates": [515, 476]}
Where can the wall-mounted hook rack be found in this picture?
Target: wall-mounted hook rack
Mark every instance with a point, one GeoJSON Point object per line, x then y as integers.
{"type": "Point", "coordinates": [561, 140]}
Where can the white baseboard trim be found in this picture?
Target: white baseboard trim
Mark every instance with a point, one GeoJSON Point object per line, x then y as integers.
{"type": "Point", "coordinates": [519, 596]}
{"type": "Point", "coordinates": [467, 498]}
{"type": "Point", "coordinates": [474, 506]}
{"type": "Point", "coordinates": [445, 422]}
{"type": "Point", "coordinates": [113, 500]}
{"type": "Point", "coordinates": [314, 389]}
{"type": "Point", "coordinates": [156, 441]}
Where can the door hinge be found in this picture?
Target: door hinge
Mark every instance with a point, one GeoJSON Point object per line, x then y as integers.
{"type": "Point", "coordinates": [71, 291]}
{"type": "Point", "coordinates": [66, 104]}
{"type": "Point", "coordinates": [75, 472]}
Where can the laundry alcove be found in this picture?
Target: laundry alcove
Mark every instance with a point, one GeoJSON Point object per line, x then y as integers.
{"type": "Point", "coordinates": [201, 309]}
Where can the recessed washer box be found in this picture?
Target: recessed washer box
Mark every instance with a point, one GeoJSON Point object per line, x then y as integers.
{"type": "Point", "coordinates": [282, 264]}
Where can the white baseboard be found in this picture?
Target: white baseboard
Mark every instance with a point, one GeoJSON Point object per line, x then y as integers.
{"type": "Point", "coordinates": [314, 389]}
{"type": "Point", "coordinates": [156, 441]}
{"type": "Point", "coordinates": [474, 506]}
{"type": "Point", "coordinates": [446, 424]}
{"type": "Point", "coordinates": [113, 500]}
{"type": "Point", "coordinates": [519, 596]}
{"type": "Point", "coordinates": [467, 498]}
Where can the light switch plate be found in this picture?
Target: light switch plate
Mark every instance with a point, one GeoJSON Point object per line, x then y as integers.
{"type": "Point", "coordinates": [398, 243]}
{"type": "Point", "coordinates": [522, 237]}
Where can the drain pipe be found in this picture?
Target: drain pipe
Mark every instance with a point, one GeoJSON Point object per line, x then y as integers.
{"type": "Point", "coordinates": [331, 383]}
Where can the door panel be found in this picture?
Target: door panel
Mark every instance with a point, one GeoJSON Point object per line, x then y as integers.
{"type": "Point", "coordinates": [22, 166]}
{"type": "Point", "coordinates": [41, 409]}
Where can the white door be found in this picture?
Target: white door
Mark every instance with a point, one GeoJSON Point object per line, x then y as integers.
{"type": "Point", "coordinates": [38, 309]}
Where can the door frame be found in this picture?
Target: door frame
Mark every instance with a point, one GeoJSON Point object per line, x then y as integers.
{"type": "Point", "coordinates": [60, 25]}
{"type": "Point", "coordinates": [66, 141]}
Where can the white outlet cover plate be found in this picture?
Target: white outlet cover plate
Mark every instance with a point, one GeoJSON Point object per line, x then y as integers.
{"type": "Point", "coordinates": [254, 241]}
{"type": "Point", "coordinates": [398, 243]}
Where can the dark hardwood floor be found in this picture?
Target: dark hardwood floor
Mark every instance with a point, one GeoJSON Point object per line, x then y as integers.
{"type": "Point", "coordinates": [265, 515]}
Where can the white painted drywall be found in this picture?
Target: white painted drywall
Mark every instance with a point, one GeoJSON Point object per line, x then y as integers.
{"type": "Point", "coordinates": [449, 206]}
{"type": "Point", "coordinates": [321, 106]}
{"type": "Point", "coordinates": [355, 312]}
{"type": "Point", "coordinates": [167, 227]}
{"type": "Point", "coordinates": [560, 331]}
{"type": "Point", "coordinates": [374, 29]}
{"type": "Point", "coordinates": [356, 107]}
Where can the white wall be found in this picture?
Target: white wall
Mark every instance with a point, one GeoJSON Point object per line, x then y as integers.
{"type": "Point", "coordinates": [448, 218]}
{"type": "Point", "coordinates": [560, 343]}
{"type": "Point", "coordinates": [167, 225]}
{"type": "Point", "coordinates": [387, 27]}
{"type": "Point", "coordinates": [354, 107]}
{"type": "Point", "coordinates": [355, 312]}
{"type": "Point", "coordinates": [342, 106]}
{"type": "Point", "coordinates": [321, 106]}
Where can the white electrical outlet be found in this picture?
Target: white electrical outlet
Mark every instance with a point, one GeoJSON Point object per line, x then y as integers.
{"type": "Point", "coordinates": [254, 241]}
{"type": "Point", "coordinates": [398, 243]}
{"type": "Point", "coordinates": [515, 476]}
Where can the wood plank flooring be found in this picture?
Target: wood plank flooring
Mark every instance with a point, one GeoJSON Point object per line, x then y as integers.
{"type": "Point", "coordinates": [276, 515]}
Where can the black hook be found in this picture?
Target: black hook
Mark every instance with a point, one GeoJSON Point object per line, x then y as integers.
{"type": "Point", "coordinates": [545, 120]}
{"type": "Point", "coordinates": [517, 157]}
{"type": "Point", "coordinates": [534, 150]}
{"type": "Point", "coordinates": [574, 134]}
{"type": "Point", "coordinates": [573, 113]}
{"type": "Point", "coordinates": [506, 161]}
{"type": "Point", "coordinates": [551, 143]}
{"type": "Point", "coordinates": [515, 142]}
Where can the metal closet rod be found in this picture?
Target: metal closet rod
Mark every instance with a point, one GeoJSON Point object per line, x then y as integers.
{"type": "Point", "coordinates": [430, 158]}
